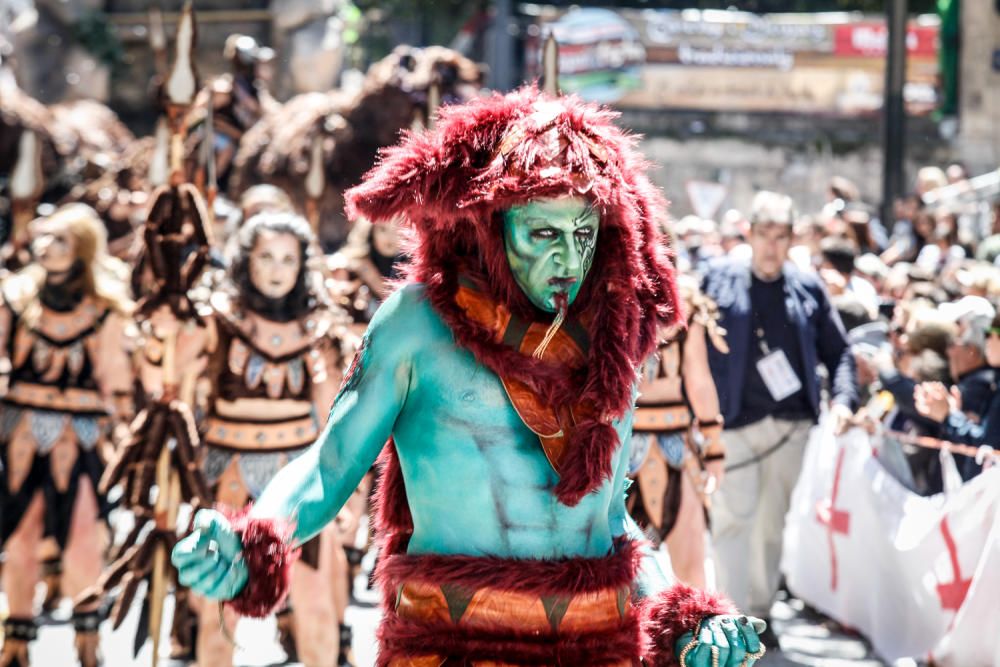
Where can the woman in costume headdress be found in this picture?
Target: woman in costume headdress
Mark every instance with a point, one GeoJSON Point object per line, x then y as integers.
{"type": "Point", "coordinates": [274, 361]}
{"type": "Point", "coordinates": [363, 269]}
{"type": "Point", "coordinates": [67, 380]}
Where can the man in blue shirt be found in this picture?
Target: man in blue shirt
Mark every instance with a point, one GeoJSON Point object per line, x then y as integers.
{"type": "Point", "coordinates": [781, 326]}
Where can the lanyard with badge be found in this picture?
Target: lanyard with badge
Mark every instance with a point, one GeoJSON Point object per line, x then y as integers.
{"type": "Point", "coordinates": [775, 370]}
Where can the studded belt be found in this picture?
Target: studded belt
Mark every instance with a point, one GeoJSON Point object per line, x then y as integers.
{"type": "Point", "coordinates": [45, 397]}
{"type": "Point", "coordinates": [661, 419]}
{"type": "Point", "coordinates": [257, 437]}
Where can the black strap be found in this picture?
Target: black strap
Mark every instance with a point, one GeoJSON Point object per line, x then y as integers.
{"type": "Point", "coordinates": [20, 629]}
{"type": "Point", "coordinates": [763, 455]}
{"type": "Point", "coordinates": [89, 331]}
{"type": "Point", "coordinates": [87, 621]}
{"type": "Point", "coordinates": [346, 637]}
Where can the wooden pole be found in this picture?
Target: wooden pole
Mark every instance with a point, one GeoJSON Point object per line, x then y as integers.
{"type": "Point", "coordinates": [158, 40]}
{"type": "Point", "coordinates": [315, 184]}
{"type": "Point", "coordinates": [433, 102]}
{"type": "Point", "coordinates": [211, 177]}
{"type": "Point", "coordinates": [550, 66]}
{"type": "Point", "coordinates": [26, 185]}
{"type": "Point", "coordinates": [164, 513]}
{"type": "Point", "coordinates": [180, 87]}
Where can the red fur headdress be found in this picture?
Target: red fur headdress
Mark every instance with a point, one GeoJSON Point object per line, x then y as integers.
{"type": "Point", "coordinates": [451, 185]}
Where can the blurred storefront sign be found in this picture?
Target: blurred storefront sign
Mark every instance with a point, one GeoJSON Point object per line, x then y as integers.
{"type": "Point", "coordinates": [820, 63]}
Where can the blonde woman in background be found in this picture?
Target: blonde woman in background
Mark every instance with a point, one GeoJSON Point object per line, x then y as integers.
{"type": "Point", "coordinates": [66, 381]}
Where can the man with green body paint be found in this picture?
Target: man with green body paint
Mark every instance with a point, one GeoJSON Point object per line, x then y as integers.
{"type": "Point", "coordinates": [504, 381]}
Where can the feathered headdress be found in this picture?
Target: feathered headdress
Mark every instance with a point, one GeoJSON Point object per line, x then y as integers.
{"type": "Point", "coordinates": [451, 184]}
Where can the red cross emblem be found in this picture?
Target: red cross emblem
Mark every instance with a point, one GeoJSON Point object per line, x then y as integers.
{"type": "Point", "coordinates": [836, 521]}
{"type": "Point", "coordinates": [952, 594]}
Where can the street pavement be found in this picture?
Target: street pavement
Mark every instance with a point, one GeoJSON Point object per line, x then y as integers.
{"type": "Point", "coordinates": [806, 638]}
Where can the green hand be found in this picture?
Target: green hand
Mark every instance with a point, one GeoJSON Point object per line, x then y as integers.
{"type": "Point", "coordinates": [723, 641]}
{"type": "Point", "coordinates": [209, 561]}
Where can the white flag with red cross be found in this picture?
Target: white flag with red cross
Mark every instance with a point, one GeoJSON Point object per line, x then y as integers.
{"type": "Point", "coordinates": [920, 577]}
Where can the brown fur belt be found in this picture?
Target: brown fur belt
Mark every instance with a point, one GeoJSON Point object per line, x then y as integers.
{"type": "Point", "coordinates": [250, 437]}
{"type": "Point", "coordinates": [44, 397]}
{"type": "Point", "coordinates": [661, 419]}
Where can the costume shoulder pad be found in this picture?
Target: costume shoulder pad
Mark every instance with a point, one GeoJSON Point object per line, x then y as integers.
{"type": "Point", "coordinates": [221, 303]}
{"type": "Point", "coordinates": [18, 291]}
{"type": "Point", "coordinates": [222, 84]}
{"type": "Point", "coordinates": [702, 309]}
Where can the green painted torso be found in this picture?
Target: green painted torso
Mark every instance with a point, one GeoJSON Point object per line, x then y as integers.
{"type": "Point", "coordinates": [477, 479]}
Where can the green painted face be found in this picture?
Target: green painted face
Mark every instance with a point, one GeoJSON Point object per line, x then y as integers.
{"type": "Point", "coordinates": [550, 246]}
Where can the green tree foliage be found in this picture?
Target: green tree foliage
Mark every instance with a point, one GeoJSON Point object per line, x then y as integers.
{"type": "Point", "coordinates": [427, 21]}
{"type": "Point", "coordinates": [439, 20]}
{"type": "Point", "coordinates": [94, 33]}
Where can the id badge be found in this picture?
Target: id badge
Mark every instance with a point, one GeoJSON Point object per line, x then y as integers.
{"type": "Point", "coordinates": [778, 375]}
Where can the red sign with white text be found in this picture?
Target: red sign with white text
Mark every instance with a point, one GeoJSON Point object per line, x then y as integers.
{"type": "Point", "coordinates": [871, 40]}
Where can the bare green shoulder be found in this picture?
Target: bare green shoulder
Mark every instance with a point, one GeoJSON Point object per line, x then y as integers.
{"type": "Point", "coordinates": [407, 319]}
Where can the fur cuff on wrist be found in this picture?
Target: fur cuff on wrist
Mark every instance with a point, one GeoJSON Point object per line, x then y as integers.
{"type": "Point", "coordinates": [268, 557]}
{"type": "Point", "coordinates": [672, 613]}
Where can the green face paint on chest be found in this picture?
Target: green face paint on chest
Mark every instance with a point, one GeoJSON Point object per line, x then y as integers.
{"type": "Point", "coordinates": [550, 246]}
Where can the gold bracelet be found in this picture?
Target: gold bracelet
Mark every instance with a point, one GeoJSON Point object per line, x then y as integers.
{"type": "Point", "coordinates": [690, 645]}
{"type": "Point", "coordinates": [754, 656]}
{"type": "Point", "coordinates": [715, 656]}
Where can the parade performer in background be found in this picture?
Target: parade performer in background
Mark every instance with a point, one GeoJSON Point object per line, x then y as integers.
{"type": "Point", "coordinates": [237, 100]}
{"type": "Point", "coordinates": [275, 360]}
{"type": "Point", "coordinates": [505, 374]}
{"type": "Point", "coordinates": [336, 135]}
{"type": "Point", "coordinates": [678, 457]}
{"type": "Point", "coordinates": [65, 362]}
{"type": "Point", "coordinates": [362, 269]}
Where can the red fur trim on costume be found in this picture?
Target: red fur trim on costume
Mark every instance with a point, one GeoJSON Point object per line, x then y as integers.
{"type": "Point", "coordinates": [450, 185]}
{"type": "Point", "coordinates": [591, 460]}
{"type": "Point", "coordinates": [393, 522]}
{"type": "Point", "coordinates": [540, 577]}
{"type": "Point", "coordinates": [269, 557]}
{"type": "Point", "coordinates": [400, 638]}
{"type": "Point", "coordinates": [674, 612]}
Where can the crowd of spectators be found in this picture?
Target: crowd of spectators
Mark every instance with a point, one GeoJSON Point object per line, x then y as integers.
{"type": "Point", "coordinates": [918, 298]}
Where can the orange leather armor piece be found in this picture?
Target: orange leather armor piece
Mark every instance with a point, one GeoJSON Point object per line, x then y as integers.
{"type": "Point", "coordinates": [494, 609]}
{"type": "Point", "coordinates": [553, 427]}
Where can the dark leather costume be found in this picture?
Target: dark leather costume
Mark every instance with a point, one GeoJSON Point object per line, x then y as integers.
{"type": "Point", "coordinates": [666, 439]}
{"type": "Point", "coordinates": [659, 448]}
{"type": "Point", "coordinates": [359, 283]}
{"type": "Point", "coordinates": [243, 453]}
{"type": "Point", "coordinates": [53, 418]}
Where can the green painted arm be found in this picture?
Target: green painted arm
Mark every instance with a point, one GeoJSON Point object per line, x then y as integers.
{"type": "Point", "coordinates": [312, 489]}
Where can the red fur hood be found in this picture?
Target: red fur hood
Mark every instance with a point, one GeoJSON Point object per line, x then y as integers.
{"type": "Point", "coordinates": [450, 185]}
